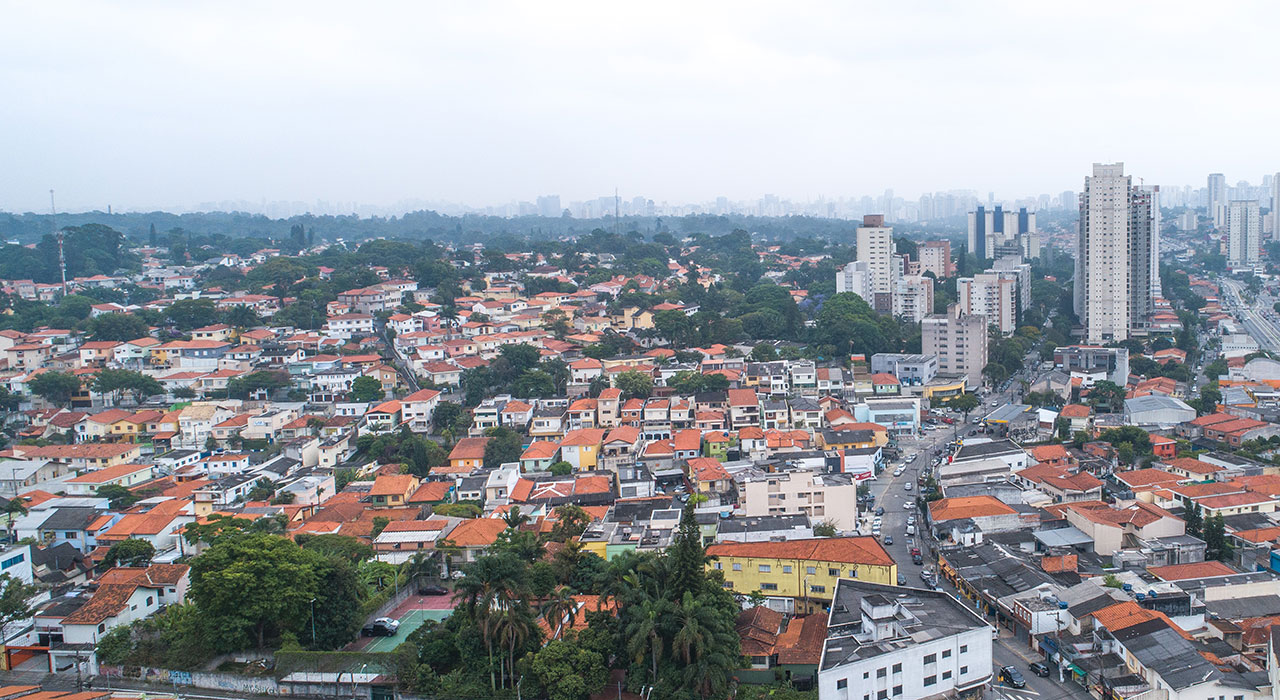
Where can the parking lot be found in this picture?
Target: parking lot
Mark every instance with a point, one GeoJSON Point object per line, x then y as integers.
{"type": "Point", "coordinates": [412, 613]}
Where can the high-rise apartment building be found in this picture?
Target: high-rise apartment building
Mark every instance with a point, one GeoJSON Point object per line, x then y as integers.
{"type": "Point", "coordinates": [960, 342]}
{"type": "Point", "coordinates": [913, 297]}
{"type": "Point", "coordinates": [1217, 198]}
{"type": "Point", "coordinates": [992, 295]}
{"type": "Point", "coordinates": [1113, 256]}
{"type": "Point", "coordinates": [855, 277]}
{"type": "Point", "coordinates": [1275, 207]}
{"type": "Point", "coordinates": [1013, 267]}
{"type": "Point", "coordinates": [1244, 234]}
{"type": "Point", "coordinates": [875, 247]}
{"type": "Point", "coordinates": [981, 231]}
{"type": "Point", "coordinates": [935, 257]}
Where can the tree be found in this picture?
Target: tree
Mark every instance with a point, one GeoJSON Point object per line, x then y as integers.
{"type": "Point", "coordinates": [15, 599]}
{"type": "Point", "coordinates": [114, 381]}
{"type": "Point", "coordinates": [826, 528]}
{"type": "Point", "coordinates": [130, 552]}
{"type": "Point", "coordinates": [445, 415]}
{"type": "Point", "coordinates": [634, 385]}
{"type": "Point", "coordinates": [55, 387]}
{"type": "Point", "coordinates": [504, 445]}
{"type": "Point", "coordinates": [561, 468]}
{"type": "Point", "coordinates": [1194, 520]}
{"type": "Point", "coordinates": [193, 313]}
{"type": "Point", "coordinates": [964, 403]}
{"type": "Point", "coordinates": [687, 556]}
{"type": "Point", "coordinates": [1108, 396]}
{"type": "Point", "coordinates": [1218, 546]}
{"type": "Point", "coordinates": [243, 387]}
{"type": "Point", "coordinates": [763, 352]}
{"type": "Point", "coordinates": [118, 327]}
{"type": "Point", "coordinates": [249, 587]}
{"type": "Point", "coordinates": [120, 497]}
{"type": "Point", "coordinates": [571, 521]}
{"type": "Point", "coordinates": [366, 389]}
{"type": "Point", "coordinates": [380, 523]}
{"type": "Point", "coordinates": [567, 671]}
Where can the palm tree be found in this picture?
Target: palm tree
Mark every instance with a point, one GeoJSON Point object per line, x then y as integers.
{"type": "Point", "coordinates": [513, 628]}
{"type": "Point", "coordinates": [489, 586]}
{"type": "Point", "coordinates": [514, 518]}
{"type": "Point", "coordinates": [560, 610]}
{"type": "Point", "coordinates": [644, 634]}
{"type": "Point", "coordinates": [694, 623]}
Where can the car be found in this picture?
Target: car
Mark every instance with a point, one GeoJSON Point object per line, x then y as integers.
{"type": "Point", "coordinates": [880, 510]}
{"type": "Point", "coordinates": [911, 529]}
{"type": "Point", "coordinates": [902, 579]}
{"type": "Point", "coordinates": [1039, 669]}
{"type": "Point", "coordinates": [917, 559]}
{"type": "Point", "coordinates": [906, 486]}
{"type": "Point", "coordinates": [433, 590]}
{"type": "Point", "coordinates": [908, 505]}
{"type": "Point", "coordinates": [911, 520]}
{"type": "Point", "coordinates": [1012, 676]}
{"type": "Point", "coordinates": [888, 539]}
{"type": "Point", "coordinates": [381, 627]}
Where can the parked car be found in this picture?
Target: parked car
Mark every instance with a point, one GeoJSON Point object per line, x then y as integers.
{"type": "Point", "coordinates": [907, 486]}
{"type": "Point", "coordinates": [888, 539]}
{"type": "Point", "coordinates": [1039, 669]}
{"type": "Point", "coordinates": [433, 590]}
{"type": "Point", "coordinates": [902, 579]}
{"type": "Point", "coordinates": [1012, 676]}
{"type": "Point", "coordinates": [880, 510]}
{"type": "Point", "coordinates": [381, 627]}
{"type": "Point", "coordinates": [917, 559]}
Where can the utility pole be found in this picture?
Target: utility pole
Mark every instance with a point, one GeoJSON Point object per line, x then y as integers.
{"type": "Point", "coordinates": [62, 259]}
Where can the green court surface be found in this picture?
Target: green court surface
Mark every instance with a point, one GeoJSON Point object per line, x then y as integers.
{"type": "Point", "coordinates": [409, 622]}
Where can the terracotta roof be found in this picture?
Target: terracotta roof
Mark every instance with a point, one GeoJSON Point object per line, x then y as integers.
{"type": "Point", "coordinates": [108, 474]}
{"type": "Point", "coordinates": [848, 550]}
{"type": "Point", "coordinates": [431, 492]}
{"type": "Point", "coordinates": [1074, 410]}
{"type": "Point", "coordinates": [583, 437]}
{"type": "Point", "coordinates": [1049, 453]}
{"type": "Point", "coordinates": [396, 485]}
{"type": "Point", "coordinates": [540, 449]}
{"type": "Point", "coordinates": [967, 507]}
{"type": "Point", "coordinates": [420, 395]}
{"type": "Point", "coordinates": [743, 397]}
{"type": "Point", "coordinates": [802, 641]}
{"type": "Point", "coordinates": [1147, 477]}
{"type": "Point", "coordinates": [708, 469]}
{"type": "Point", "coordinates": [623, 433]}
{"type": "Point", "coordinates": [1259, 535]}
{"type": "Point", "coordinates": [469, 448]}
{"type": "Point", "coordinates": [1127, 614]}
{"type": "Point", "coordinates": [1192, 465]}
{"type": "Point", "coordinates": [1232, 500]}
{"type": "Point", "coordinates": [1200, 569]}
{"type": "Point", "coordinates": [477, 532]}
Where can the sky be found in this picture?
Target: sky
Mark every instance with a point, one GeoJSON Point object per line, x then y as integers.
{"type": "Point", "coordinates": [145, 105]}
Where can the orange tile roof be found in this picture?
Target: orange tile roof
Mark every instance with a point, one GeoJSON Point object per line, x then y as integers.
{"type": "Point", "coordinates": [1147, 477]}
{"type": "Point", "coordinates": [1259, 535]}
{"type": "Point", "coordinates": [430, 492]}
{"type": "Point", "coordinates": [540, 449]}
{"type": "Point", "coordinates": [967, 507]}
{"type": "Point", "coordinates": [1193, 465]}
{"type": "Point", "coordinates": [708, 469]}
{"type": "Point", "coordinates": [1200, 569]}
{"type": "Point", "coordinates": [396, 485]}
{"type": "Point", "coordinates": [109, 473]}
{"type": "Point", "coordinates": [583, 437]}
{"type": "Point", "coordinates": [1127, 614]}
{"type": "Point", "coordinates": [1075, 410]}
{"type": "Point", "coordinates": [848, 550]}
{"type": "Point", "coordinates": [469, 448]}
{"type": "Point", "coordinates": [477, 532]}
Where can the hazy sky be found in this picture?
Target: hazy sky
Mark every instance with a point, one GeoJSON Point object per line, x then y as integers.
{"type": "Point", "coordinates": [141, 104]}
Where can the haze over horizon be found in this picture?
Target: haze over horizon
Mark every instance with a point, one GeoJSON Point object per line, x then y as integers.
{"type": "Point", "coordinates": [152, 105]}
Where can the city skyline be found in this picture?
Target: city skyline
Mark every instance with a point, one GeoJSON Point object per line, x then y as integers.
{"type": "Point", "coordinates": [151, 106]}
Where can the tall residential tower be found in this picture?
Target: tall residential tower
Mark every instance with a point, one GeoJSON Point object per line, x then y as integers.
{"type": "Point", "coordinates": [1113, 280]}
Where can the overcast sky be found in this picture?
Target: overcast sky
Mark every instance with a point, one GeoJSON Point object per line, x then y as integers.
{"type": "Point", "coordinates": [142, 105]}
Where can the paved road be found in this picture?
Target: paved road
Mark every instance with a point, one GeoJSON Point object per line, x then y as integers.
{"type": "Point", "coordinates": [1253, 318]}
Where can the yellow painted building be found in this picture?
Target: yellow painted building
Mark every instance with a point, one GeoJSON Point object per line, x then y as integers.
{"type": "Point", "coordinates": [803, 570]}
{"type": "Point", "coordinates": [941, 392]}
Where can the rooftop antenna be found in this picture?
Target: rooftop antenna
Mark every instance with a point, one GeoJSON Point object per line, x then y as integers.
{"type": "Point", "coordinates": [62, 259]}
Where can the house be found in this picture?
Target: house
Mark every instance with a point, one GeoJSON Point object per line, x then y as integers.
{"type": "Point", "coordinates": [1109, 526]}
{"type": "Point", "coordinates": [1078, 417]}
{"type": "Point", "coordinates": [987, 513]}
{"type": "Point", "coordinates": [473, 536]}
{"type": "Point", "coordinates": [468, 453]}
{"type": "Point", "coordinates": [1063, 483]}
{"type": "Point", "coordinates": [797, 573]}
{"type": "Point", "coordinates": [126, 475]}
{"type": "Point", "coordinates": [392, 490]}
{"type": "Point", "coordinates": [539, 456]}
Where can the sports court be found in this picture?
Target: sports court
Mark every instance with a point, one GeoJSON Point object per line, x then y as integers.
{"type": "Point", "coordinates": [412, 613]}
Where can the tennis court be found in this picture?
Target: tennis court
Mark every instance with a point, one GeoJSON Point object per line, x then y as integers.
{"type": "Point", "coordinates": [409, 622]}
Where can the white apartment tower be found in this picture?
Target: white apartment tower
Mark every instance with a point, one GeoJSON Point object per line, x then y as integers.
{"type": "Point", "coordinates": [855, 277]}
{"type": "Point", "coordinates": [993, 295]}
{"type": "Point", "coordinates": [1217, 194]}
{"type": "Point", "coordinates": [1275, 207]}
{"type": "Point", "coordinates": [959, 341]}
{"type": "Point", "coordinates": [1113, 280]}
{"type": "Point", "coordinates": [1244, 234]}
{"type": "Point", "coordinates": [913, 297]}
{"type": "Point", "coordinates": [875, 247]}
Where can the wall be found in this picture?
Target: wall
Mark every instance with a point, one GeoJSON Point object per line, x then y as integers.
{"type": "Point", "coordinates": [976, 659]}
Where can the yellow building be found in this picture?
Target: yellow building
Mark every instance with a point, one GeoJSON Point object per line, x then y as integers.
{"type": "Point", "coordinates": [940, 392]}
{"type": "Point", "coordinates": [805, 571]}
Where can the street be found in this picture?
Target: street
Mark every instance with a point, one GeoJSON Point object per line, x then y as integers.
{"type": "Point", "coordinates": [1254, 318]}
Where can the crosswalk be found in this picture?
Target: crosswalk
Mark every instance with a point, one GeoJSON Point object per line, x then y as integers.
{"type": "Point", "coordinates": [1009, 693]}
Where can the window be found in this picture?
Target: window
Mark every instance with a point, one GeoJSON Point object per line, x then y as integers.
{"type": "Point", "coordinates": [897, 668]}
{"type": "Point", "coordinates": [964, 670]}
{"type": "Point", "coordinates": [11, 561]}
{"type": "Point", "coordinates": [737, 567]}
{"type": "Point", "coordinates": [833, 572]}
{"type": "Point", "coordinates": [719, 566]}
{"type": "Point", "coordinates": [786, 569]}
{"type": "Point", "coordinates": [930, 680]}
{"type": "Point", "coordinates": [931, 659]}
{"type": "Point", "coordinates": [768, 586]}
{"type": "Point", "coordinates": [765, 568]}
{"type": "Point", "coordinates": [818, 589]}
{"type": "Point", "coordinates": [946, 675]}
{"type": "Point", "coordinates": [882, 672]}
{"type": "Point", "coordinates": [964, 648]}
{"type": "Point", "coordinates": [866, 675]}
{"type": "Point", "coordinates": [882, 694]}
{"type": "Point", "coordinates": [102, 627]}
{"type": "Point", "coordinates": [811, 570]}
{"type": "Point", "coordinates": [842, 683]}
{"type": "Point", "coordinates": [897, 690]}
{"type": "Point", "coordinates": [728, 584]}
{"type": "Point", "coordinates": [150, 601]}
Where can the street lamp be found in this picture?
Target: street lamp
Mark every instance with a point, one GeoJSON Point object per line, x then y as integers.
{"type": "Point", "coordinates": [313, 622]}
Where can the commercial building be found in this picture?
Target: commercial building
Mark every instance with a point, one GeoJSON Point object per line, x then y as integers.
{"type": "Point", "coordinates": [893, 643]}
{"type": "Point", "coordinates": [911, 370]}
{"type": "Point", "coordinates": [1113, 283]}
{"type": "Point", "coordinates": [992, 295]}
{"type": "Point", "coordinates": [1093, 364]}
{"type": "Point", "coordinates": [801, 575]}
{"type": "Point", "coordinates": [958, 340]}
{"type": "Point", "coordinates": [1244, 235]}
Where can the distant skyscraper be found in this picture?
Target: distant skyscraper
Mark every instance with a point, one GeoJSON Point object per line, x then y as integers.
{"type": "Point", "coordinates": [1217, 193]}
{"type": "Point", "coordinates": [981, 232]}
{"type": "Point", "coordinates": [1275, 207]}
{"type": "Point", "coordinates": [1113, 256]}
{"type": "Point", "coordinates": [1153, 192]}
{"type": "Point", "coordinates": [875, 247]}
{"type": "Point", "coordinates": [549, 205]}
{"type": "Point", "coordinates": [1244, 234]}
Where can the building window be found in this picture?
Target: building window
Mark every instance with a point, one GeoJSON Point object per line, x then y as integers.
{"type": "Point", "coordinates": [882, 672]}
{"type": "Point", "coordinates": [102, 627]}
{"type": "Point", "coordinates": [768, 586]}
{"type": "Point", "coordinates": [811, 570]}
{"type": "Point", "coordinates": [765, 568]}
{"type": "Point", "coordinates": [842, 683]}
{"type": "Point", "coordinates": [897, 690]}
{"type": "Point", "coordinates": [818, 589]}
{"type": "Point", "coordinates": [866, 675]}
{"type": "Point", "coordinates": [786, 569]}
{"type": "Point", "coordinates": [728, 584]}
{"type": "Point", "coordinates": [964, 648]}
{"type": "Point", "coordinates": [964, 670]}
{"type": "Point", "coordinates": [833, 572]}
{"type": "Point", "coordinates": [931, 659]}
{"type": "Point", "coordinates": [737, 567]}
{"type": "Point", "coordinates": [930, 680]}
{"type": "Point", "coordinates": [946, 675]}
{"type": "Point", "coordinates": [946, 653]}
{"type": "Point", "coordinates": [897, 668]}
{"type": "Point", "coordinates": [882, 694]}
